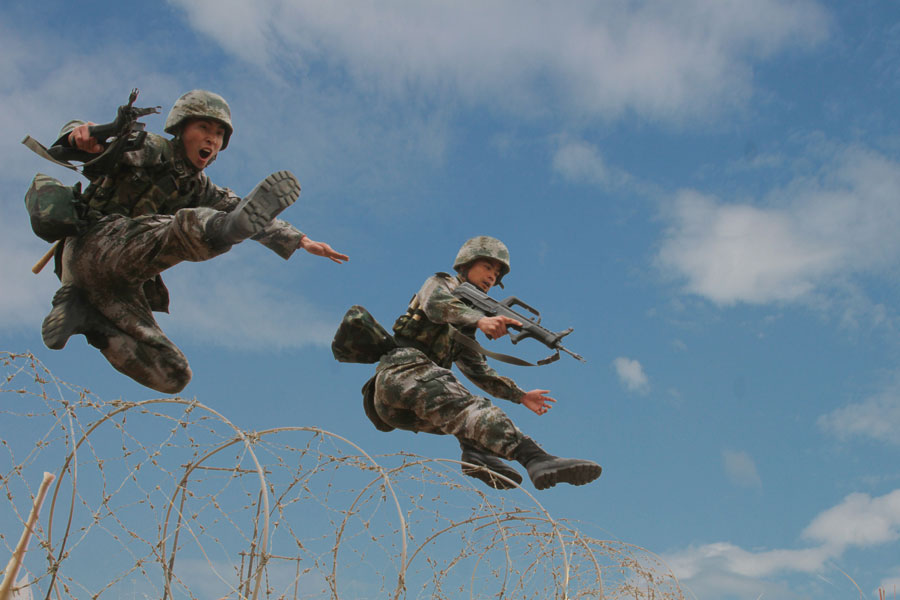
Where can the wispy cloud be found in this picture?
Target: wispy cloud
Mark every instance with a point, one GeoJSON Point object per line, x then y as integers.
{"type": "Point", "coordinates": [631, 374]}
{"type": "Point", "coordinates": [723, 569]}
{"type": "Point", "coordinates": [227, 304]}
{"type": "Point", "coordinates": [812, 236]}
{"type": "Point", "coordinates": [876, 417]}
{"type": "Point", "coordinates": [580, 161]}
{"type": "Point", "coordinates": [663, 61]}
{"type": "Point", "coordinates": [23, 304]}
{"type": "Point", "coordinates": [741, 469]}
{"type": "Point", "coordinates": [860, 520]}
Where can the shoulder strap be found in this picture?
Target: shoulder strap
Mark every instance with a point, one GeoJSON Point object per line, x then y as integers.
{"type": "Point", "coordinates": [471, 344]}
{"type": "Point", "coordinates": [38, 148]}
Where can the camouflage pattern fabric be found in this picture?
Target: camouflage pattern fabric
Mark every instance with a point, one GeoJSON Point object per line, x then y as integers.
{"type": "Point", "coordinates": [53, 208]}
{"type": "Point", "coordinates": [360, 338]}
{"type": "Point", "coordinates": [483, 246]}
{"type": "Point", "coordinates": [413, 393]}
{"type": "Point", "coordinates": [152, 211]}
{"type": "Point", "coordinates": [416, 392]}
{"type": "Point", "coordinates": [110, 264]}
{"type": "Point", "coordinates": [427, 320]}
{"type": "Point", "coordinates": [200, 104]}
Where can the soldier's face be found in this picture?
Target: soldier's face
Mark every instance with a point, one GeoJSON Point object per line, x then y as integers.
{"type": "Point", "coordinates": [202, 141]}
{"type": "Point", "coordinates": [484, 273]}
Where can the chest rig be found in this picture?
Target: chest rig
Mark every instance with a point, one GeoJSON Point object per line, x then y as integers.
{"type": "Point", "coordinates": [413, 328]}
{"type": "Point", "coordinates": [162, 183]}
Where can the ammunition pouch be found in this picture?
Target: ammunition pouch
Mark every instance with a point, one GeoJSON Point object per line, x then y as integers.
{"type": "Point", "coordinates": [55, 209]}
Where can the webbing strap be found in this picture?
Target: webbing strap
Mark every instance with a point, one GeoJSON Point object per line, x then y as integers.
{"type": "Point", "coordinates": [36, 147]}
{"type": "Point", "coordinates": [513, 360]}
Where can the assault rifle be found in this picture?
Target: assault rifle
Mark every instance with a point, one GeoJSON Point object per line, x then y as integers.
{"type": "Point", "coordinates": [531, 327]}
{"type": "Point", "coordinates": [121, 130]}
{"type": "Point", "coordinates": [127, 133]}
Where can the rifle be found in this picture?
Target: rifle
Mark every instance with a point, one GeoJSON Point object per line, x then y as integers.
{"type": "Point", "coordinates": [531, 327]}
{"type": "Point", "coordinates": [121, 129]}
{"type": "Point", "coordinates": [127, 133]}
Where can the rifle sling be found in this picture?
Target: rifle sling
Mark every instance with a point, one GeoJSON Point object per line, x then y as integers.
{"type": "Point", "coordinates": [513, 360]}
{"type": "Point", "coordinates": [36, 147]}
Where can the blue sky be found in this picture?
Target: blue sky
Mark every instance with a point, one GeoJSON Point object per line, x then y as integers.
{"type": "Point", "coordinates": [706, 191]}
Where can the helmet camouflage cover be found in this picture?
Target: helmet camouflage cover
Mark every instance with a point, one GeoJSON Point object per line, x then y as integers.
{"type": "Point", "coordinates": [483, 246]}
{"type": "Point", "coordinates": [200, 104]}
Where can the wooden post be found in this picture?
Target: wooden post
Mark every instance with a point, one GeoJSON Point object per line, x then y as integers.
{"type": "Point", "coordinates": [15, 563]}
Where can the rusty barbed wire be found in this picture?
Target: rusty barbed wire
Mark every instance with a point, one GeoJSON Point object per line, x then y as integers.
{"type": "Point", "coordinates": [167, 498]}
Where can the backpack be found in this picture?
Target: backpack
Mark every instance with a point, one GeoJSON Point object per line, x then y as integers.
{"type": "Point", "coordinates": [360, 338]}
{"type": "Point", "coordinates": [54, 209]}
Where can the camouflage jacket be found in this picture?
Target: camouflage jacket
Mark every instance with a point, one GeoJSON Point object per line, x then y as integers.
{"type": "Point", "coordinates": [427, 324]}
{"type": "Point", "coordinates": [158, 179]}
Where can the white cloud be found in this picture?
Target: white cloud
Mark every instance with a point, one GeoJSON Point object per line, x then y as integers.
{"type": "Point", "coordinates": [859, 520]}
{"type": "Point", "coordinates": [741, 469]}
{"type": "Point", "coordinates": [659, 59]}
{"type": "Point", "coordinates": [731, 253]}
{"type": "Point", "coordinates": [723, 569]}
{"type": "Point", "coordinates": [723, 556]}
{"type": "Point", "coordinates": [877, 418]}
{"type": "Point", "coordinates": [631, 374]}
{"type": "Point", "coordinates": [817, 232]}
{"type": "Point", "coordinates": [332, 136]}
{"type": "Point", "coordinates": [579, 161]}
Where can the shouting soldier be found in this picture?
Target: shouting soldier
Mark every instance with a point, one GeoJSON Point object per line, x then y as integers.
{"type": "Point", "coordinates": [152, 208]}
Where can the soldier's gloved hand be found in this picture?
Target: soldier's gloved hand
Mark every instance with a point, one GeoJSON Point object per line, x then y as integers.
{"type": "Point", "coordinates": [322, 249]}
{"type": "Point", "coordinates": [81, 138]}
{"type": "Point", "coordinates": [495, 327]}
{"type": "Point", "coordinates": [537, 402]}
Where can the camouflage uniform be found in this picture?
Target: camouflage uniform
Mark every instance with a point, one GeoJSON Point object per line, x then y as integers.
{"type": "Point", "coordinates": [414, 388]}
{"type": "Point", "coordinates": [152, 211]}
{"type": "Point", "coordinates": [416, 391]}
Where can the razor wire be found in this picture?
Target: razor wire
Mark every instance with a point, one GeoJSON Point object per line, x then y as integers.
{"type": "Point", "coordinates": [167, 498]}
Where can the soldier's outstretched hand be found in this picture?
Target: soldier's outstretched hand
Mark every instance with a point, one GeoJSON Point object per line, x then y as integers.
{"type": "Point", "coordinates": [322, 249]}
{"type": "Point", "coordinates": [537, 401]}
{"type": "Point", "coordinates": [495, 327]}
{"type": "Point", "coordinates": [80, 138]}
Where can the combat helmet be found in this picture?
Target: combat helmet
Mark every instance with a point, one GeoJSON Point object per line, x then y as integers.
{"type": "Point", "coordinates": [483, 246]}
{"type": "Point", "coordinates": [200, 104]}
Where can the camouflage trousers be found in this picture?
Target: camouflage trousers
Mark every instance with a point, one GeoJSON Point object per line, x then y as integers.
{"type": "Point", "coordinates": [413, 393]}
{"type": "Point", "coordinates": [111, 262]}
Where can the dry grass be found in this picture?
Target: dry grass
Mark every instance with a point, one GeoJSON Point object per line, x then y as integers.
{"type": "Point", "coordinates": [167, 498]}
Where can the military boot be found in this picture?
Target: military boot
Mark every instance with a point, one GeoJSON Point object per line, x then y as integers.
{"type": "Point", "coordinates": [256, 211]}
{"type": "Point", "coordinates": [485, 466]}
{"type": "Point", "coordinates": [546, 470]}
{"type": "Point", "coordinates": [71, 314]}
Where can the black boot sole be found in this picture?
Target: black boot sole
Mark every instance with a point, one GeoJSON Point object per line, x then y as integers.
{"type": "Point", "coordinates": [575, 474]}
{"type": "Point", "coordinates": [279, 190]}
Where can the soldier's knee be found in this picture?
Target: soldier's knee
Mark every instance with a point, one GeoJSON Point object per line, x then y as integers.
{"type": "Point", "coordinates": [174, 381]}
{"type": "Point", "coordinates": [171, 376]}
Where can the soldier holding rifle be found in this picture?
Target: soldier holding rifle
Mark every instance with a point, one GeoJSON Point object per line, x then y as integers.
{"type": "Point", "coordinates": [148, 207]}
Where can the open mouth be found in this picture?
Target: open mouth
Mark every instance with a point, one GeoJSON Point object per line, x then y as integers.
{"type": "Point", "coordinates": [205, 153]}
